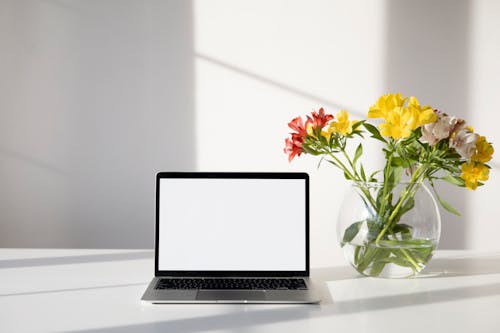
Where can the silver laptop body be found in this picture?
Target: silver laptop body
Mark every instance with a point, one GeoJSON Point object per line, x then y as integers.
{"type": "Point", "coordinates": [217, 232]}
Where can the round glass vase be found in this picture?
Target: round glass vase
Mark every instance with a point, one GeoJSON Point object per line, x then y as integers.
{"type": "Point", "coordinates": [388, 231]}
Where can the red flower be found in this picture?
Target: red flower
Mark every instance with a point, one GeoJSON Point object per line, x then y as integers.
{"type": "Point", "coordinates": [293, 146]}
{"type": "Point", "coordinates": [319, 119]}
{"type": "Point", "coordinates": [298, 125]}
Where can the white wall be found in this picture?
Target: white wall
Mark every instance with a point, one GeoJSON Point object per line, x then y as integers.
{"type": "Point", "coordinates": [484, 106]}
{"type": "Point", "coordinates": [261, 63]}
{"type": "Point", "coordinates": [95, 96]}
{"type": "Point", "coordinates": [427, 53]}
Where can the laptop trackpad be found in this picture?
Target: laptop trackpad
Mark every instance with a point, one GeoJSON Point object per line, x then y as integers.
{"type": "Point", "coordinates": [230, 295]}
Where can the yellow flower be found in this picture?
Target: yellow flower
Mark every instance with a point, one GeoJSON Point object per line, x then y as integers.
{"type": "Point", "coordinates": [421, 115]}
{"type": "Point", "coordinates": [401, 120]}
{"type": "Point", "coordinates": [484, 150]}
{"type": "Point", "coordinates": [342, 124]}
{"type": "Point", "coordinates": [310, 129]}
{"type": "Point", "coordinates": [398, 124]}
{"type": "Point", "coordinates": [326, 134]}
{"type": "Point", "coordinates": [474, 172]}
{"type": "Point", "coordinates": [385, 105]}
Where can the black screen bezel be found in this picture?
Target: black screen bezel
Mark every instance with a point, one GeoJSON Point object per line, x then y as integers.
{"type": "Point", "coordinates": [232, 175]}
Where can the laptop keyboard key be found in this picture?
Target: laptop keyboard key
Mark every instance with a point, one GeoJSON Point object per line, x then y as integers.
{"type": "Point", "coordinates": [232, 284]}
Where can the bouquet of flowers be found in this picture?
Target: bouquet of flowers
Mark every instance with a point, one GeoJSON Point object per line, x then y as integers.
{"type": "Point", "coordinates": [420, 144]}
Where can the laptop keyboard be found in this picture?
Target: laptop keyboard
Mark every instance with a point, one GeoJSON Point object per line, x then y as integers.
{"type": "Point", "coordinates": [232, 283]}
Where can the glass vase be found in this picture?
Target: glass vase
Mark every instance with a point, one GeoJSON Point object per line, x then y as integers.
{"type": "Point", "coordinates": [388, 230]}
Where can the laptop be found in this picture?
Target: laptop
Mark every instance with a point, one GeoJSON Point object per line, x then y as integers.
{"type": "Point", "coordinates": [231, 238]}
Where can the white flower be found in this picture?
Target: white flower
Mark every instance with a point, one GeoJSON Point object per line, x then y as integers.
{"type": "Point", "coordinates": [441, 129]}
{"type": "Point", "coordinates": [464, 142]}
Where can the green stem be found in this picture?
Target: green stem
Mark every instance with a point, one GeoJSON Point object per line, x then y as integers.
{"type": "Point", "coordinates": [408, 257]}
{"type": "Point", "coordinates": [384, 189]}
{"type": "Point", "coordinates": [341, 165]}
{"type": "Point", "coordinates": [353, 175]}
{"type": "Point", "coordinates": [350, 162]}
{"type": "Point", "coordinates": [411, 260]}
{"type": "Point", "coordinates": [416, 180]}
{"type": "Point", "coordinates": [366, 258]}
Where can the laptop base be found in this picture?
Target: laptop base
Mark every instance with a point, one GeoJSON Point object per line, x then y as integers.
{"type": "Point", "coordinates": [160, 296]}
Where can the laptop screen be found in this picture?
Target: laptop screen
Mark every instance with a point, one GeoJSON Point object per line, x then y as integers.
{"type": "Point", "coordinates": [232, 222]}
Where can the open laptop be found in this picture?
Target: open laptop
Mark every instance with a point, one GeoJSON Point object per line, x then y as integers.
{"type": "Point", "coordinates": [231, 238]}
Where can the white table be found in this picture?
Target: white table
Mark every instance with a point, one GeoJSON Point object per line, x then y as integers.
{"type": "Point", "coordinates": [99, 291]}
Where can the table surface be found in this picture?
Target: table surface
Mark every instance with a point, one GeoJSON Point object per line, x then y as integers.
{"type": "Point", "coordinates": [60, 290]}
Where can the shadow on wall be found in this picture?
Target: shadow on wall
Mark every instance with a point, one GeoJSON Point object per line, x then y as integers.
{"type": "Point", "coordinates": [427, 57]}
{"type": "Point", "coordinates": [277, 84]}
{"type": "Point", "coordinates": [100, 97]}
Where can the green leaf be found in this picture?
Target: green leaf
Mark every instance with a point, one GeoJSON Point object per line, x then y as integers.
{"type": "Point", "coordinates": [407, 206]}
{"type": "Point", "coordinates": [397, 162]}
{"type": "Point", "coordinates": [404, 229]}
{"type": "Point", "coordinates": [320, 161]}
{"type": "Point", "coordinates": [322, 139]}
{"type": "Point", "coordinates": [310, 150]}
{"type": "Point", "coordinates": [387, 188]}
{"type": "Point", "coordinates": [407, 243]}
{"type": "Point", "coordinates": [358, 153]}
{"type": "Point", "coordinates": [445, 204]}
{"type": "Point", "coordinates": [379, 261]}
{"type": "Point", "coordinates": [395, 174]}
{"type": "Point", "coordinates": [374, 132]}
{"type": "Point", "coordinates": [362, 171]}
{"type": "Point", "coordinates": [366, 257]}
{"type": "Point", "coordinates": [358, 133]}
{"type": "Point", "coordinates": [372, 176]}
{"type": "Point", "coordinates": [334, 163]}
{"type": "Point", "coordinates": [357, 124]}
{"type": "Point", "coordinates": [422, 254]}
{"type": "Point", "coordinates": [356, 254]}
{"type": "Point", "coordinates": [368, 206]}
{"type": "Point", "coordinates": [374, 228]}
{"type": "Point", "coordinates": [454, 180]}
{"type": "Point", "coordinates": [351, 232]}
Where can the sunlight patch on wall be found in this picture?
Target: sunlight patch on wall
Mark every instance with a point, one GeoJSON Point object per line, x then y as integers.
{"type": "Point", "coordinates": [258, 64]}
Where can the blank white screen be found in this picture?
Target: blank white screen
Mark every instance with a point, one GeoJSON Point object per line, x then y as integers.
{"type": "Point", "coordinates": [232, 224]}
